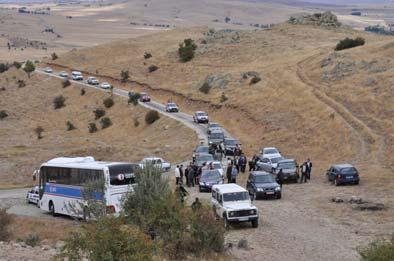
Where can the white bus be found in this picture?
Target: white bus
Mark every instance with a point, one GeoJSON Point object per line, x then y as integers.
{"type": "Point", "coordinates": [62, 182]}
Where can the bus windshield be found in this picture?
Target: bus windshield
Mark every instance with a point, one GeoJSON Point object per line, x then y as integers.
{"type": "Point", "coordinates": [122, 174]}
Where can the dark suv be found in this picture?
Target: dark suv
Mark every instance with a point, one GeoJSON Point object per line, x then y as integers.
{"type": "Point", "coordinates": [289, 168]}
{"type": "Point", "coordinates": [230, 145]}
{"type": "Point", "coordinates": [343, 174]}
{"type": "Point", "coordinates": [262, 184]}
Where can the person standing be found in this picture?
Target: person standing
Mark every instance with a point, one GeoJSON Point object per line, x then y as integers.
{"type": "Point", "coordinates": [228, 172]}
{"type": "Point", "coordinates": [308, 168]}
{"type": "Point", "coordinates": [196, 204]}
{"type": "Point", "coordinates": [280, 178]}
{"type": "Point", "coordinates": [234, 173]}
{"type": "Point", "coordinates": [177, 175]}
{"type": "Point", "coordinates": [242, 163]}
{"type": "Point", "coordinates": [181, 173]}
{"type": "Point", "coordinates": [187, 175]}
{"type": "Point", "coordinates": [190, 176]}
{"type": "Point", "coordinates": [303, 173]}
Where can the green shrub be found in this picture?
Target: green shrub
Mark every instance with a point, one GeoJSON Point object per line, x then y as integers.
{"type": "Point", "coordinates": [4, 67]}
{"type": "Point", "coordinates": [105, 122]}
{"type": "Point", "coordinates": [98, 113]}
{"type": "Point", "coordinates": [58, 102]}
{"type": "Point", "coordinates": [66, 83]}
{"type": "Point", "coordinates": [29, 67]}
{"type": "Point", "coordinates": [39, 130]}
{"type": "Point", "coordinates": [147, 55]}
{"type": "Point", "coordinates": [151, 116]}
{"type": "Point", "coordinates": [17, 65]}
{"type": "Point", "coordinates": [21, 83]}
{"type": "Point", "coordinates": [108, 103]}
{"type": "Point", "coordinates": [223, 97]}
{"type": "Point", "coordinates": [153, 68]}
{"type": "Point", "coordinates": [349, 43]}
{"type": "Point", "coordinates": [54, 56]}
{"type": "Point", "coordinates": [92, 127]}
{"type": "Point", "coordinates": [378, 250]}
{"type": "Point", "coordinates": [186, 50]}
{"type": "Point", "coordinates": [32, 240]}
{"type": "Point", "coordinates": [5, 222]}
{"type": "Point", "coordinates": [133, 98]}
{"type": "Point", "coordinates": [3, 114]}
{"type": "Point", "coordinates": [124, 75]}
{"type": "Point", "coordinates": [254, 80]}
{"type": "Point", "coordinates": [205, 88]}
{"type": "Point", "coordinates": [83, 92]}
{"type": "Point", "coordinates": [108, 239]}
{"type": "Point", "coordinates": [136, 122]}
{"type": "Point", "coordinates": [70, 126]}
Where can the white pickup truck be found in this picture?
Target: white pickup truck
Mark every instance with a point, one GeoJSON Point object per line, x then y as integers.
{"type": "Point", "coordinates": [232, 203]}
{"type": "Point", "coordinates": [156, 162]}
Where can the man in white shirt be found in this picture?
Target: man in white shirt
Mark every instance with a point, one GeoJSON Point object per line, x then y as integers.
{"type": "Point", "coordinates": [177, 175]}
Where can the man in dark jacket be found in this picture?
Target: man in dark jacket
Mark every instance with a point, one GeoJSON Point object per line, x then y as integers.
{"type": "Point", "coordinates": [228, 172]}
{"type": "Point", "coordinates": [304, 173]}
{"type": "Point", "coordinates": [280, 178]}
{"type": "Point", "coordinates": [308, 168]}
{"type": "Point", "coordinates": [181, 173]}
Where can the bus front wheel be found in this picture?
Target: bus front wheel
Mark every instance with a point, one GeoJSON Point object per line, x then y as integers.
{"type": "Point", "coordinates": [52, 208]}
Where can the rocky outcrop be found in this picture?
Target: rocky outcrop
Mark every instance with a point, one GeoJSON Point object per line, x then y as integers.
{"type": "Point", "coordinates": [326, 19]}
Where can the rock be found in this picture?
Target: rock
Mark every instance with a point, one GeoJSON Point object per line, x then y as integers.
{"type": "Point", "coordinates": [166, 127]}
{"type": "Point", "coordinates": [23, 244]}
{"type": "Point", "coordinates": [228, 246]}
{"type": "Point", "coordinates": [356, 200]}
{"type": "Point", "coordinates": [243, 243]}
{"type": "Point", "coordinates": [370, 206]}
{"type": "Point", "coordinates": [45, 247]}
{"type": "Point", "coordinates": [246, 75]}
{"type": "Point", "coordinates": [337, 200]}
{"type": "Point", "coordinates": [326, 19]}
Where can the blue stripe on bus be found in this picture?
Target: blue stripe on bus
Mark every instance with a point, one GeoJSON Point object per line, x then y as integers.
{"type": "Point", "coordinates": [68, 191]}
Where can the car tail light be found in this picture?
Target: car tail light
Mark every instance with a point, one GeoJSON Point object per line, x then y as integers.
{"type": "Point", "coordinates": [110, 209]}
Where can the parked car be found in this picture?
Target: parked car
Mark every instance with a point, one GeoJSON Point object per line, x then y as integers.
{"type": "Point", "coordinates": [156, 162]}
{"type": "Point", "coordinates": [208, 179]}
{"type": "Point", "coordinates": [217, 165]}
{"type": "Point", "coordinates": [268, 164]}
{"type": "Point", "coordinates": [262, 184]}
{"type": "Point", "coordinates": [63, 74]}
{"type": "Point", "coordinates": [48, 70]}
{"type": "Point", "coordinates": [105, 85]}
{"type": "Point", "coordinates": [270, 152]}
{"type": "Point", "coordinates": [33, 195]}
{"type": "Point", "coordinates": [232, 203]}
{"type": "Point", "coordinates": [92, 81]}
{"type": "Point", "coordinates": [200, 117]}
{"type": "Point", "coordinates": [144, 97]}
{"type": "Point", "coordinates": [289, 168]}
{"type": "Point", "coordinates": [76, 76]}
{"type": "Point", "coordinates": [229, 146]}
{"type": "Point", "coordinates": [216, 137]}
{"type": "Point", "coordinates": [343, 174]}
{"type": "Point", "coordinates": [213, 126]}
{"type": "Point", "coordinates": [200, 149]}
{"type": "Point", "coordinates": [202, 158]}
{"type": "Point", "coordinates": [172, 107]}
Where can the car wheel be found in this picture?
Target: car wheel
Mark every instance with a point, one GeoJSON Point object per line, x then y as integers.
{"type": "Point", "coordinates": [255, 223]}
{"type": "Point", "coordinates": [199, 189]}
{"type": "Point", "coordinates": [85, 214]}
{"type": "Point", "coordinates": [226, 223]}
{"type": "Point", "coordinates": [279, 196]}
{"type": "Point", "coordinates": [255, 196]}
{"type": "Point", "coordinates": [52, 209]}
{"type": "Point", "coordinates": [357, 182]}
{"type": "Point", "coordinates": [336, 182]}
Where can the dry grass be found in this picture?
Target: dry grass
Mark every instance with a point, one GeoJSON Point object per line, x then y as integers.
{"type": "Point", "coordinates": [31, 106]}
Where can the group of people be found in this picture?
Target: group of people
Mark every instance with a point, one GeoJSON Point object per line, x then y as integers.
{"type": "Point", "coordinates": [191, 173]}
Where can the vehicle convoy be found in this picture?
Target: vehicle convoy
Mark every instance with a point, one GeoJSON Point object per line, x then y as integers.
{"type": "Point", "coordinates": [200, 117]}
{"type": "Point", "coordinates": [270, 152]}
{"type": "Point", "coordinates": [63, 183]}
{"type": "Point", "coordinates": [76, 76]}
{"type": "Point", "coordinates": [213, 126]}
{"type": "Point", "coordinates": [33, 195]}
{"type": "Point", "coordinates": [216, 137]}
{"type": "Point", "coordinates": [232, 203]}
{"type": "Point", "coordinates": [105, 85]}
{"type": "Point", "coordinates": [261, 184]}
{"type": "Point", "coordinates": [289, 168]}
{"type": "Point", "coordinates": [202, 158]}
{"type": "Point", "coordinates": [200, 149]}
{"type": "Point", "coordinates": [172, 107]}
{"type": "Point", "coordinates": [343, 174]}
{"type": "Point", "coordinates": [63, 74]}
{"type": "Point", "coordinates": [209, 178]}
{"type": "Point", "coordinates": [156, 162]}
{"type": "Point", "coordinates": [92, 81]}
{"type": "Point", "coordinates": [229, 146]}
{"type": "Point", "coordinates": [144, 97]}
{"type": "Point", "coordinates": [268, 164]}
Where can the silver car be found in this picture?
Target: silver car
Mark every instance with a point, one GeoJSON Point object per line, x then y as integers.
{"type": "Point", "coordinates": [268, 164]}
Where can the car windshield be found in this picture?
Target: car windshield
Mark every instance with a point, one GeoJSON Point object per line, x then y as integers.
{"type": "Point", "coordinates": [122, 174]}
{"type": "Point", "coordinates": [214, 125]}
{"type": "Point", "coordinates": [205, 158]}
{"type": "Point", "coordinates": [275, 160]}
{"type": "Point", "coordinates": [235, 196]}
{"type": "Point", "coordinates": [217, 165]}
{"type": "Point", "coordinates": [270, 151]}
{"type": "Point", "coordinates": [171, 105]}
{"type": "Point", "coordinates": [217, 135]}
{"type": "Point", "coordinates": [231, 142]}
{"type": "Point", "coordinates": [287, 165]}
{"type": "Point", "coordinates": [264, 179]}
{"type": "Point", "coordinates": [201, 114]}
{"type": "Point", "coordinates": [202, 149]}
{"type": "Point", "coordinates": [210, 175]}
{"type": "Point", "coordinates": [349, 170]}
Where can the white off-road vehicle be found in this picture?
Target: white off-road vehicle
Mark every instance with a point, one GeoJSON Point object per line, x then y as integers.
{"type": "Point", "coordinates": [233, 204]}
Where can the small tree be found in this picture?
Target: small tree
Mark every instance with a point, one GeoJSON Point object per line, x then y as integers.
{"type": "Point", "coordinates": [66, 83]}
{"type": "Point", "coordinates": [254, 80]}
{"type": "Point", "coordinates": [70, 126]}
{"type": "Point", "coordinates": [21, 83]}
{"type": "Point", "coordinates": [58, 102]}
{"type": "Point", "coordinates": [153, 68]}
{"type": "Point", "coordinates": [108, 102]}
{"type": "Point", "coordinates": [98, 113]}
{"type": "Point", "coordinates": [124, 75]}
{"type": "Point", "coordinates": [349, 43]}
{"type": "Point", "coordinates": [136, 122]}
{"type": "Point", "coordinates": [39, 130]}
{"type": "Point", "coordinates": [92, 127]}
{"type": "Point", "coordinates": [29, 67]}
{"type": "Point", "coordinates": [147, 55]}
{"type": "Point", "coordinates": [151, 116]}
{"type": "Point", "coordinates": [378, 250]}
{"type": "Point", "coordinates": [205, 88]}
{"type": "Point", "coordinates": [4, 67]}
{"type": "Point", "coordinates": [186, 50]}
{"type": "Point", "coordinates": [17, 65]}
{"type": "Point", "coordinates": [133, 98]}
{"type": "Point", "coordinates": [83, 92]}
{"type": "Point", "coordinates": [105, 122]}
{"type": "Point", "coordinates": [223, 97]}
{"type": "Point", "coordinates": [3, 114]}
{"type": "Point", "coordinates": [54, 56]}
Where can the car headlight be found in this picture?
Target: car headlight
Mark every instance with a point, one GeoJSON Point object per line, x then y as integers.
{"type": "Point", "coordinates": [260, 189]}
{"type": "Point", "coordinates": [202, 183]}
{"type": "Point", "coordinates": [277, 189]}
{"type": "Point", "coordinates": [252, 212]}
{"type": "Point", "coordinates": [231, 214]}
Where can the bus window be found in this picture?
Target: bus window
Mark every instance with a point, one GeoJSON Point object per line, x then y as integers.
{"type": "Point", "coordinates": [122, 174]}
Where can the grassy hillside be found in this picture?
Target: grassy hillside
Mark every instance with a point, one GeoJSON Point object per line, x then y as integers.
{"type": "Point", "coordinates": [32, 106]}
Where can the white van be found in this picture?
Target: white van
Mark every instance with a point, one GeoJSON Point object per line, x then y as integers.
{"type": "Point", "coordinates": [76, 76]}
{"type": "Point", "coordinates": [232, 203]}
